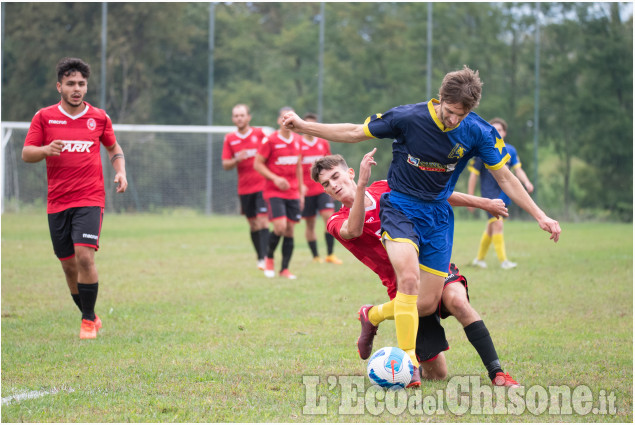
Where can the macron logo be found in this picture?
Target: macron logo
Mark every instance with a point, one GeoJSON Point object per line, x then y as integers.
{"type": "Point", "coordinates": [89, 236]}
{"type": "Point", "coordinates": [77, 146]}
{"type": "Point", "coordinates": [57, 122]}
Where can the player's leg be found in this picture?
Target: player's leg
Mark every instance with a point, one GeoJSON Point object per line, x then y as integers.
{"type": "Point", "coordinates": [262, 226]}
{"type": "Point", "coordinates": [435, 369]}
{"type": "Point", "coordinates": [293, 215]}
{"type": "Point", "coordinates": [498, 241]}
{"type": "Point", "coordinates": [60, 230]}
{"type": "Point", "coordinates": [86, 228]}
{"type": "Point", "coordinates": [278, 219]}
{"type": "Point", "coordinates": [370, 317]}
{"type": "Point", "coordinates": [248, 208]}
{"type": "Point", "coordinates": [403, 256]}
{"type": "Point", "coordinates": [311, 238]}
{"type": "Point", "coordinates": [483, 247]}
{"type": "Point", "coordinates": [456, 302]}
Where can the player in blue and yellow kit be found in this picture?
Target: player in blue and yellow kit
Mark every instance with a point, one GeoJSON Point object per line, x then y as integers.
{"type": "Point", "coordinates": [493, 233]}
{"type": "Point", "coordinates": [432, 143]}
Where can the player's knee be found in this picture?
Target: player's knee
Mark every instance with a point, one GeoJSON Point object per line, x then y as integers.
{"type": "Point", "coordinates": [426, 305]}
{"type": "Point", "coordinates": [408, 283]}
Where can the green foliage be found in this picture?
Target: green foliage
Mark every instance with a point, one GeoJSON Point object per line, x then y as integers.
{"type": "Point", "coordinates": [193, 332]}
{"type": "Point", "coordinates": [266, 55]}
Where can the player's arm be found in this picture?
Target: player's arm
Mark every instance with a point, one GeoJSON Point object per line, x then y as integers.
{"type": "Point", "coordinates": [115, 153]}
{"type": "Point", "coordinates": [471, 186]}
{"type": "Point", "coordinates": [515, 190]}
{"type": "Point", "coordinates": [228, 164]}
{"type": "Point", "coordinates": [341, 133]}
{"type": "Point", "coordinates": [32, 153]}
{"type": "Point", "coordinates": [522, 176]}
{"type": "Point", "coordinates": [260, 166]}
{"type": "Point", "coordinates": [299, 173]}
{"type": "Point", "coordinates": [354, 226]}
{"type": "Point", "coordinates": [496, 207]}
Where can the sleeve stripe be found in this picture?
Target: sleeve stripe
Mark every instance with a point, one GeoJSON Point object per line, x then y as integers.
{"type": "Point", "coordinates": [499, 165]}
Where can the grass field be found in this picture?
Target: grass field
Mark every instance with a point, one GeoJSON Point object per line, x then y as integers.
{"type": "Point", "coordinates": [194, 333]}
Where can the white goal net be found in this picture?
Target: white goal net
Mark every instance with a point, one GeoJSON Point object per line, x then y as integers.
{"type": "Point", "coordinates": [168, 167]}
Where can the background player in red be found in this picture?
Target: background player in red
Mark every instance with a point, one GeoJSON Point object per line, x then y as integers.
{"type": "Point", "coordinates": [315, 199]}
{"type": "Point", "coordinates": [357, 226]}
{"type": "Point", "coordinates": [239, 150]}
{"type": "Point", "coordinates": [279, 160]}
{"type": "Point", "coordinates": [68, 136]}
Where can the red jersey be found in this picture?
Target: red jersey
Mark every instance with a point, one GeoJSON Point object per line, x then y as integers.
{"type": "Point", "coordinates": [281, 157]}
{"type": "Point", "coordinates": [310, 152]}
{"type": "Point", "coordinates": [75, 178]}
{"type": "Point", "coordinates": [368, 247]}
{"type": "Point", "coordinates": [249, 180]}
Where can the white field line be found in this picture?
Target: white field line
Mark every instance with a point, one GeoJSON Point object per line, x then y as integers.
{"type": "Point", "coordinates": [27, 395]}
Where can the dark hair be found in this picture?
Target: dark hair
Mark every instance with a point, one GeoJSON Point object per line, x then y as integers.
{"type": "Point", "coordinates": [284, 109]}
{"type": "Point", "coordinates": [243, 106]}
{"type": "Point", "coordinates": [462, 87]}
{"type": "Point", "coordinates": [310, 116]}
{"type": "Point", "coordinates": [500, 121]}
{"type": "Point", "coordinates": [67, 66]}
{"type": "Point", "coordinates": [327, 163]}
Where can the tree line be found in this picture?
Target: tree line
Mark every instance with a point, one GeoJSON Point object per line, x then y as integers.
{"type": "Point", "coordinates": [266, 55]}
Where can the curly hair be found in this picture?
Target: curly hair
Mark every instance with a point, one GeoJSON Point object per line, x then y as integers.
{"type": "Point", "coordinates": [67, 66]}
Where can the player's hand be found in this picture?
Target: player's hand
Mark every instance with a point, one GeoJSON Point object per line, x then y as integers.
{"type": "Point", "coordinates": [529, 187]}
{"type": "Point", "coordinates": [550, 225]}
{"type": "Point", "coordinates": [497, 208]}
{"type": "Point", "coordinates": [364, 168]}
{"type": "Point", "coordinates": [241, 155]}
{"type": "Point", "coordinates": [292, 121]}
{"type": "Point", "coordinates": [281, 183]}
{"type": "Point", "coordinates": [54, 148]}
{"type": "Point", "coordinates": [122, 182]}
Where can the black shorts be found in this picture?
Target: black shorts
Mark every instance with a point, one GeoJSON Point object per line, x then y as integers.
{"type": "Point", "coordinates": [431, 336]}
{"type": "Point", "coordinates": [314, 204]}
{"type": "Point", "coordinates": [280, 207]}
{"type": "Point", "coordinates": [252, 204]}
{"type": "Point", "coordinates": [75, 226]}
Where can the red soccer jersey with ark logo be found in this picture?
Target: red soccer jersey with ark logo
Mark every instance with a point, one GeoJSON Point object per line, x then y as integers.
{"type": "Point", "coordinates": [75, 178]}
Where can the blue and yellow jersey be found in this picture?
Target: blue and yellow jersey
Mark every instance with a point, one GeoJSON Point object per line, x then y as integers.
{"type": "Point", "coordinates": [489, 185]}
{"type": "Point", "coordinates": [427, 157]}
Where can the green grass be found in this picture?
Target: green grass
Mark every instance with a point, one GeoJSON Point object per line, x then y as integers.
{"type": "Point", "coordinates": [194, 333]}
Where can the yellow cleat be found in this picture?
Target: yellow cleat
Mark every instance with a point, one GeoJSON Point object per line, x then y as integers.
{"type": "Point", "coordinates": [333, 259]}
{"type": "Point", "coordinates": [317, 260]}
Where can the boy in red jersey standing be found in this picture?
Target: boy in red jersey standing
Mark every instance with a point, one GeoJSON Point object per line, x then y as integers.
{"type": "Point", "coordinates": [315, 200]}
{"type": "Point", "coordinates": [279, 160]}
{"type": "Point", "coordinates": [239, 150]}
{"type": "Point", "coordinates": [68, 136]}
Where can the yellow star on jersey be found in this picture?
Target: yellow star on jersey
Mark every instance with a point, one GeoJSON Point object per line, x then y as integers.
{"type": "Point", "coordinates": [499, 145]}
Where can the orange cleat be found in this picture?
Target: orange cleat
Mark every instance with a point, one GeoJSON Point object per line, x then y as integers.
{"type": "Point", "coordinates": [88, 330]}
{"type": "Point", "coordinates": [504, 380]}
{"type": "Point", "coordinates": [333, 259]}
{"type": "Point", "coordinates": [287, 274]}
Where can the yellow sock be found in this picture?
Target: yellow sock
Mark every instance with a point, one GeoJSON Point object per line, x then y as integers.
{"type": "Point", "coordinates": [484, 246]}
{"type": "Point", "coordinates": [407, 323]}
{"type": "Point", "coordinates": [499, 246]}
{"type": "Point", "coordinates": [379, 313]}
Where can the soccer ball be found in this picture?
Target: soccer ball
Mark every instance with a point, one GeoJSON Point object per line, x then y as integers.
{"type": "Point", "coordinates": [389, 367]}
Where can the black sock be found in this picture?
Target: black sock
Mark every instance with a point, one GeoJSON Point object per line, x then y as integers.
{"type": "Point", "coordinates": [330, 240]}
{"type": "Point", "coordinates": [478, 335]}
{"type": "Point", "coordinates": [313, 246]}
{"type": "Point", "coordinates": [273, 244]}
{"type": "Point", "coordinates": [287, 252]}
{"type": "Point", "coordinates": [255, 240]}
{"type": "Point", "coordinates": [88, 295]}
{"type": "Point", "coordinates": [78, 301]}
{"type": "Point", "coordinates": [264, 243]}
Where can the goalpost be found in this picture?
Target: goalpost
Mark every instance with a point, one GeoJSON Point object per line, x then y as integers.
{"type": "Point", "coordinates": [168, 167]}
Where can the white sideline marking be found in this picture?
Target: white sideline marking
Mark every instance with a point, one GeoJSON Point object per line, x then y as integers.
{"type": "Point", "coordinates": [32, 394]}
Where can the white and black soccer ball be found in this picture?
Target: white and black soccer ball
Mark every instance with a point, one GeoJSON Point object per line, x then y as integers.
{"type": "Point", "coordinates": [389, 367]}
